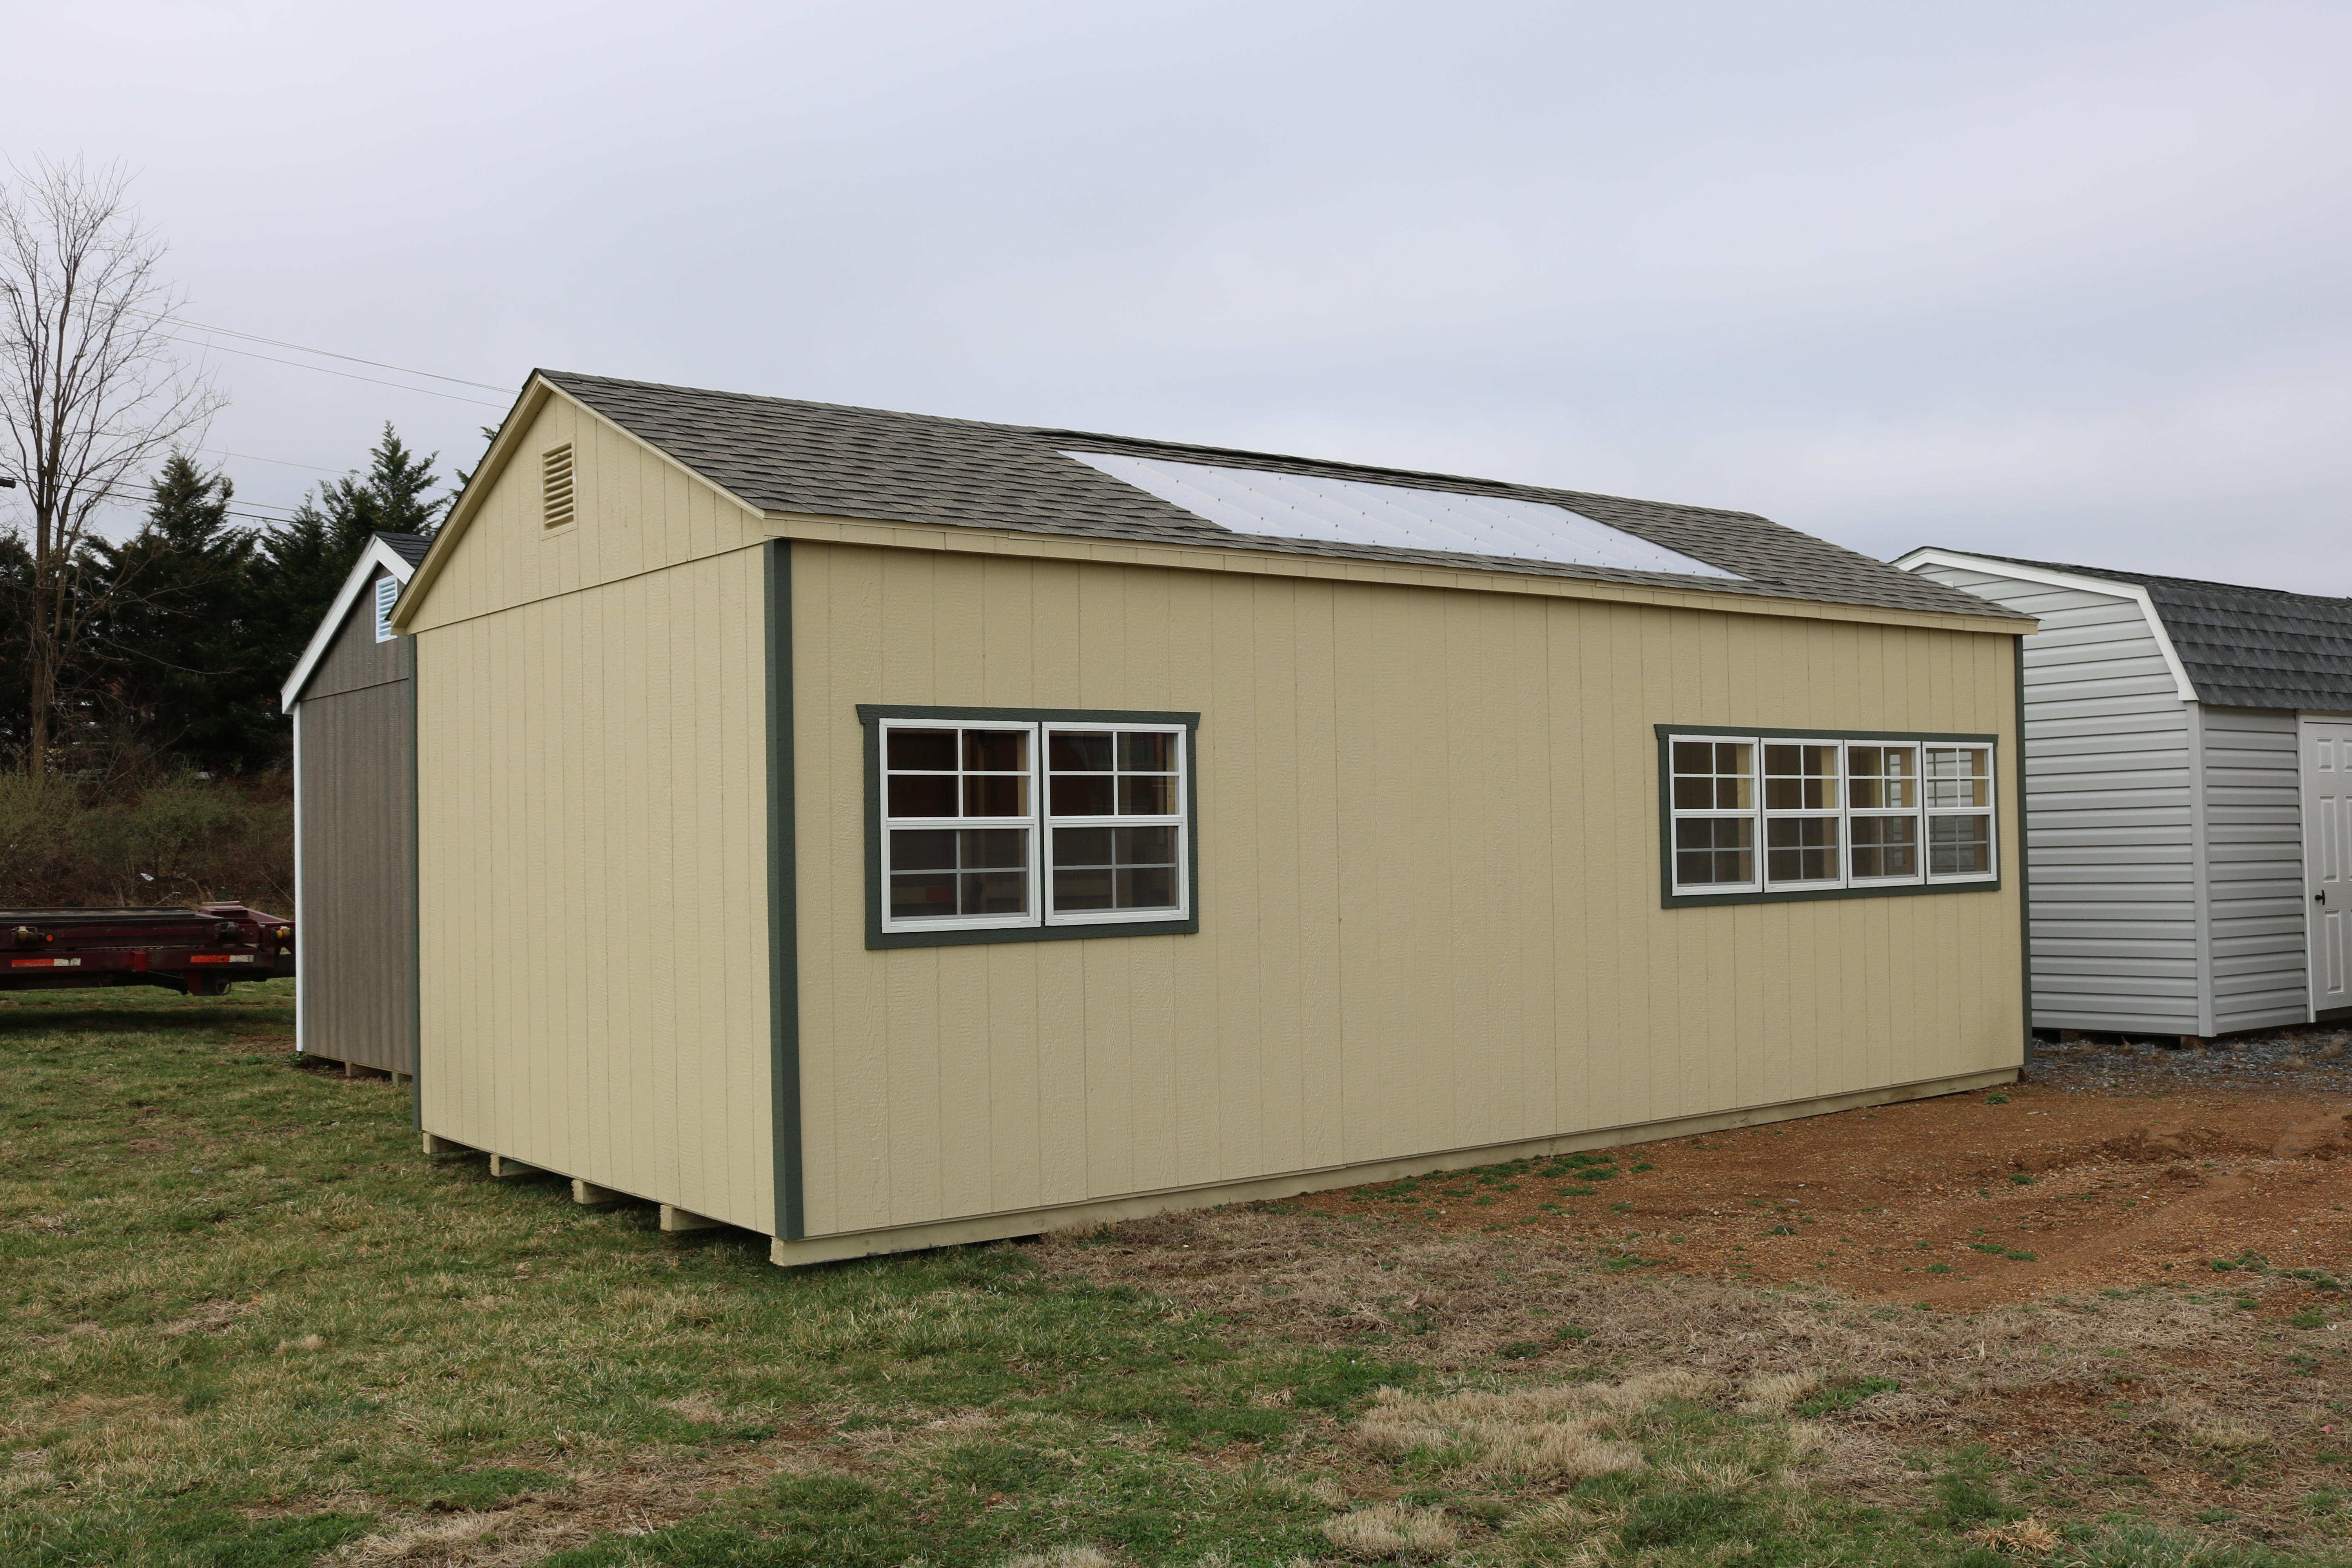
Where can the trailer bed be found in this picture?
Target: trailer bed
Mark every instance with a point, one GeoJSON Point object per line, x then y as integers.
{"type": "Point", "coordinates": [201, 952]}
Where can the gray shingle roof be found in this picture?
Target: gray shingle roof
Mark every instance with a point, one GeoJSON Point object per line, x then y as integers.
{"type": "Point", "coordinates": [409, 547]}
{"type": "Point", "coordinates": [782, 455]}
{"type": "Point", "coordinates": [2247, 647]}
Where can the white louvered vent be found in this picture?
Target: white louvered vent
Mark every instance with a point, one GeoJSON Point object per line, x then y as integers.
{"type": "Point", "coordinates": [555, 496]}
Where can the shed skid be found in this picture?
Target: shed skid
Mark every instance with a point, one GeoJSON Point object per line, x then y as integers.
{"type": "Point", "coordinates": [1035, 1222]}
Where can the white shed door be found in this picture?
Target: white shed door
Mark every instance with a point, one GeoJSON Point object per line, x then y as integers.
{"type": "Point", "coordinates": [2328, 861]}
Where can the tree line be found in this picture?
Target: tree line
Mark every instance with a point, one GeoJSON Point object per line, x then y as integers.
{"type": "Point", "coordinates": [167, 648]}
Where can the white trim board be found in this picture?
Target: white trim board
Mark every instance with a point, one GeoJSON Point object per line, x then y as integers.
{"type": "Point", "coordinates": [1993, 567]}
{"type": "Point", "coordinates": [377, 553]}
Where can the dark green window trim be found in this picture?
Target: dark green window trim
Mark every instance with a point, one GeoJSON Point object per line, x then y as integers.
{"type": "Point", "coordinates": [1673, 900]}
{"type": "Point", "coordinates": [875, 937]}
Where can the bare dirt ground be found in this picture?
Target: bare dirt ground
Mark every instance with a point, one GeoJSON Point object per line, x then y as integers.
{"type": "Point", "coordinates": [2094, 1175]}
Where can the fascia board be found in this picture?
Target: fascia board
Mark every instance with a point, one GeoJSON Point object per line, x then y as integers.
{"type": "Point", "coordinates": [535, 394]}
{"type": "Point", "coordinates": [2113, 589]}
{"type": "Point", "coordinates": [377, 553]}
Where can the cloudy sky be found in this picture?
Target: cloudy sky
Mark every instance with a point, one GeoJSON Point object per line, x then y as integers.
{"type": "Point", "coordinates": [2064, 280]}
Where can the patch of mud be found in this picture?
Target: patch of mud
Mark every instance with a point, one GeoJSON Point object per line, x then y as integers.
{"type": "Point", "coordinates": [1966, 1201]}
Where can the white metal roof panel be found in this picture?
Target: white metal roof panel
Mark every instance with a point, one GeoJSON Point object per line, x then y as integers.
{"type": "Point", "coordinates": [1356, 511]}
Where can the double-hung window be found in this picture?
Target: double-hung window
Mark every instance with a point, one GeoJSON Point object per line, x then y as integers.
{"type": "Point", "coordinates": [1011, 825]}
{"type": "Point", "coordinates": [1766, 814]}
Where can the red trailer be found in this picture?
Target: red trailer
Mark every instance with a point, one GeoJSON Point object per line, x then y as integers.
{"type": "Point", "coordinates": [201, 951]}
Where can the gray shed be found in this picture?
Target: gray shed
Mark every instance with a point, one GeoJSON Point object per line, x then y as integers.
{"type": "Point", "coordinates": [355, 821]}
{"type": "Point", "coordinates": [2188, 796]}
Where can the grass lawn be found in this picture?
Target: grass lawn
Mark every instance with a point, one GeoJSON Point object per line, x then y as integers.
{"type": "Point", "coordinates": [248, 1324]}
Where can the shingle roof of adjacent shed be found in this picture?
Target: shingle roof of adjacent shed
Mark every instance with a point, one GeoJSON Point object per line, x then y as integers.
{"type": "Point", "coordinates": [2247, 647]}
{"type": "Point", "coordinates": [409, 547]}
{"type": "Point", "coordinates": [782, 455]}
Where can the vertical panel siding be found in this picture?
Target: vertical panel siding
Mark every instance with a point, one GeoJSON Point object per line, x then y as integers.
{"type": "Point", "coordinates": [2108, 780]}
{"type": "Point", "coordinates": [2253, 809]}
{"type": "Point", "coordinates": [358, 925]}
{"type": "Point", "coordinates": [1429, 901]}
{"type": "Point", "coordinates": [592, 819]}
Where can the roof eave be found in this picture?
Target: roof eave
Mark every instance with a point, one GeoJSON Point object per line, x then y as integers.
{"type": "Point", "coordinates": [2114, 587]}
{"type": "Point", "coordinates": [880, 532]}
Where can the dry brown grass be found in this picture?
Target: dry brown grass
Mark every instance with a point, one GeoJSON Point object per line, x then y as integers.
{"type": "Point", "coordinates": [2019, 1538]}
{"type": "Point", "coordinates": [1391, 1530]}
{"type": "Point", "coordinates": [1061, 1557]}
{"type": "Point", "coordinates": [2157, 1386]}
{"type": "Point", "coordinates": [1546, 1434]}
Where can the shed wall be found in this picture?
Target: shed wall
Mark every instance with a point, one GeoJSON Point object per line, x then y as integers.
{"type": "Point", "coordinates": [591, 732]}
{"type": "Point", "coordinates": [2253, 808]}
{"type": "Point", "coordinates": [1430, 915]}
{"type": "Point", "coordinates": [355, 909]}
{"type": "Point", "coordinates": [2112, 851]}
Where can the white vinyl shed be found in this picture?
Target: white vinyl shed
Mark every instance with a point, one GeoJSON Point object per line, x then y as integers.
{"type": "Point", "coordinates": [2188, 796]}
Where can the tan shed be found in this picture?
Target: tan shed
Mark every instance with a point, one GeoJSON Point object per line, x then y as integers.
{"type": "Point", "coordinates": [354, 821]}
{"type": "Point", "coordinates": [879, 831]}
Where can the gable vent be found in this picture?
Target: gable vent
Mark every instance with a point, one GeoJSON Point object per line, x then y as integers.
{"type": "Point", "coordinates": [556, 495]}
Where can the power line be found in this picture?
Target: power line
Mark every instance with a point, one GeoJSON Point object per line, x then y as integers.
{"type": "Point", "coordinates": [323, 370]}
{"type": "Point", "coordinates": [303, 348]}
{"type": "Point", "coordinates": [281, 462]}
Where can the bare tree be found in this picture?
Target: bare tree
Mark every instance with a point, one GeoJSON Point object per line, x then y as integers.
{"type": "Point", "coordinates": [92, 391]}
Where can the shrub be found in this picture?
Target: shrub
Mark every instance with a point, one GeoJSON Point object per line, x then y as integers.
{"type": "Point", "coordinates": [177, 839]}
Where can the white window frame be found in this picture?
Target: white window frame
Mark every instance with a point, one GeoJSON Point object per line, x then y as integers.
{"type": "Point", "coordinates": [1990, 811]}
{"type": "Point", "coordinates": [1182, 908]}
{"type": "Point", "coordinates": [1039, 823]}
{"type": "Point", "coordinates": [1767, 814]}
{"type": "Point", "coordinates": [1752, 813]}
{"type": "Point", "coordinates": [893, 825]}
{"type": "Point", "coordinates": [1915, 812]}
{"type": "Point", "coordinates": [1763, 884]}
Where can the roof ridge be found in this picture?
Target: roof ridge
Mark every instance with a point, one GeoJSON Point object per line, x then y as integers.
{"type": "Point", "coordinates": [2145, 578]}
{"type": "Point", "coordinates": [1058, 433]}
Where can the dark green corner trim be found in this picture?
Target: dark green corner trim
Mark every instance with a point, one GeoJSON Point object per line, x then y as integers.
{"type": "Point", "coordinates": [415, 923]}
{"type": "Point", "coordinates": [2024, 845]}
{"type": "Point", "coordinates": [875, 937]}
{"type": "Point", "coordinates": [1673, 900]}
{"type": "Point", "coordinates": [783, 902]}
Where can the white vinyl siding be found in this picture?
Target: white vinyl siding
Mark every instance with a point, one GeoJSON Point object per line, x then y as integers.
{"type": "Point", "coordinates": [2163, 841]}
{"type": "Point", "coordinates": [2253, 837]}
{"type": "Point", "coordinates": [2109, 852]}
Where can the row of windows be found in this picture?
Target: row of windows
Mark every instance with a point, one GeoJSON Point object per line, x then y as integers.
{"type": "Point", "coordinates": [1753, 815]}
{"type": "Point", "coordinates": [998, 825]}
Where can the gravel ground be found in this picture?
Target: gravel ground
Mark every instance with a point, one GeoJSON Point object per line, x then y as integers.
{"type": "Point", "coordinates": [2317, 1061]}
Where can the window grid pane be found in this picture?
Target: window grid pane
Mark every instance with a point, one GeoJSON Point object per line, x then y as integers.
{"type": "Point", "coordinates": [943, 774]}
{"type": "Point", "coordinates": [934, 773]}
{"type": "Point", "coordinates": [1115, 810]}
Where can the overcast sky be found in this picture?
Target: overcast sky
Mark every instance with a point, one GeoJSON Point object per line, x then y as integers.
{"type": "Point", "coordinates": [2063, 280]}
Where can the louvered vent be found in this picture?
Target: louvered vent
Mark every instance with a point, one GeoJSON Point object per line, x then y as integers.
{"type": "Point", "coordinates": [555, 485]}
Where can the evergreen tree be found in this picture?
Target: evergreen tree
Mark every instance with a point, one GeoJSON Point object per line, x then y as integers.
{"type": "Point", "coordinates": [183, 666]}
{"type": "Point", "coordinates": [305, 559]}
